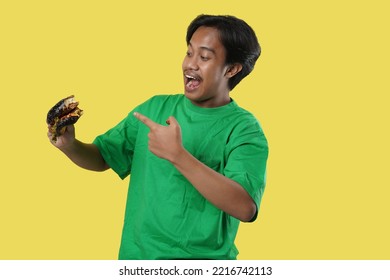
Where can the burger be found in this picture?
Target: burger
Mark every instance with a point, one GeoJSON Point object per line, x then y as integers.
{"type": "Point", "coordinates": [65, 112]}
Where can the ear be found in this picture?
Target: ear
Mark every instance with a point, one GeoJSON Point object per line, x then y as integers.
{"type": "Point", "coordinates": [233, 70]}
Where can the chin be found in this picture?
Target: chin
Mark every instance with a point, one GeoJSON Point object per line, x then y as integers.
{"type": "Point", "coordinates": [191, 93]}
{"type": "Point", "coordinates": [190, 96]}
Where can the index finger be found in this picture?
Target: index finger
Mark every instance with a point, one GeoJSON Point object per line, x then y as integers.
{"type": "Point", "coordinates": [148, 122]}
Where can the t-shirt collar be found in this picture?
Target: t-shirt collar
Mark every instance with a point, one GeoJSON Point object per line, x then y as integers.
{"type": "Point", "coordinates": [210, 111]}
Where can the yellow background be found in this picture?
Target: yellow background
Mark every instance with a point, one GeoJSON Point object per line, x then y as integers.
{"type": "Point", "coordinates": [320, 90]}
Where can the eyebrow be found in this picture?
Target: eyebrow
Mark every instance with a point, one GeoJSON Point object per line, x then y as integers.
{"type": "Point", "coordinates": [204, 48]}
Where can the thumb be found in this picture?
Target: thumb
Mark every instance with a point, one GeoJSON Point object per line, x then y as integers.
{"type": "Point", "coordinates": [70, 128]}
{"type": "Point", "coordinates": [171, 121]}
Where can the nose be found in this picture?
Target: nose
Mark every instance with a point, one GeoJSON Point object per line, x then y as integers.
{"type": "Point", "coordinates": [190, 63]}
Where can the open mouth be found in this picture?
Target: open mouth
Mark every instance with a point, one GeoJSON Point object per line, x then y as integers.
{"type": "Point", "coordinates": [192, 82]}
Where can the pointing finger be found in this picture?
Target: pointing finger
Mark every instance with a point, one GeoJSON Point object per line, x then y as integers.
{"type": "Point", "coordinates": [148, 122]}
{"type": "Point", "coordinates": [172, 121]}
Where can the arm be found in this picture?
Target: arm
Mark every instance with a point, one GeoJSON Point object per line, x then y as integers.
{"type": "Point", "coordinates": [221, 191]}
{"type": "Point", "coordinates": [82, 154]}
{"type": "Point", "coordinates": [165, 142]}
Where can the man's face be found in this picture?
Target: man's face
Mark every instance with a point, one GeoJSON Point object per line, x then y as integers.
{"type": "Point", "coordinates": [204, 69]}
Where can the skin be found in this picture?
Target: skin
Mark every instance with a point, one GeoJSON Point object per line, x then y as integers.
{"type": "Point", "coordinates": [84, 155]}
{"type": "Point", "coordinates": [165, 142]}
{"type": "Point", "coordinates": [205, 59]}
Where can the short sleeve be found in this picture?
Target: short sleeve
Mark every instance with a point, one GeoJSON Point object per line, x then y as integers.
{"type": "Point", "coordinates": [117, 145]}
{"type": "Point", "coordinates": [247, 154]}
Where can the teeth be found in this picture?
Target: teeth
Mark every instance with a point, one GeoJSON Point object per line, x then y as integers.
{"type": "Point", "coordinates": [190, 77]}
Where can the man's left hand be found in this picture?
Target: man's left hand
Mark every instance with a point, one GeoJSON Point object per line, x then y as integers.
{"type": "Point", "coordinates": [164, 141]}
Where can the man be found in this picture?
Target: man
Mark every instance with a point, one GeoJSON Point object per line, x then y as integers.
{"type": "Point", "coordinates": [197, 161]}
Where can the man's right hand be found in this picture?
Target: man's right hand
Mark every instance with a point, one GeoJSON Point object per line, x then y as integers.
{"type": "Point", "coordinates": [65, 140]}
{"type": "Point", "coordinates": [83, 154]}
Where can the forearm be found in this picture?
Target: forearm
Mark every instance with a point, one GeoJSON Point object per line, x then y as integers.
{"type": "Point", "coordinates": [85, 155]}
{"type": "Point", "coordinates": [221, 191]}
{"type": "Point", "coordinates": [224, 193]}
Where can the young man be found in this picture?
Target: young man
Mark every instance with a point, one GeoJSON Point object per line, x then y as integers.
{"type": "Point", "coordinates": [197, 161]}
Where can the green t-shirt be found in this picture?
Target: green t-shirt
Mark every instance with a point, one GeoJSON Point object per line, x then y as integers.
{"type": "Point", "coordinates": [166, 217]}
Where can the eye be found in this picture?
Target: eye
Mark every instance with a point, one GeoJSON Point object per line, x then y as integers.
{"type": "Point", "coordinates": [188, 53]}
{"type": "Point", "coordinates": [204, 58]}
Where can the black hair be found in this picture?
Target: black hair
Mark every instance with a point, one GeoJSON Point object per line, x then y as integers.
{"type": "Point", "coordinates": [237, 37]}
